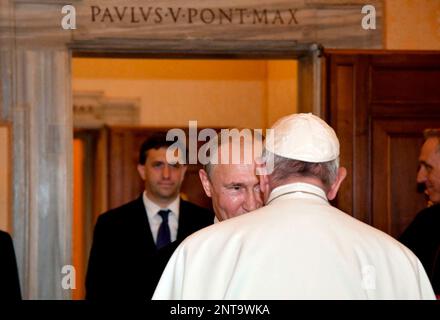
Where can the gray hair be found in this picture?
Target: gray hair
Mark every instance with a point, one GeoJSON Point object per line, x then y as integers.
{"type": "Point", "coordinates": [284, 169]}
{"type": "Point", "coordinates": [433, 133]}
{"type": "Point", "coordinates": [244, 135]}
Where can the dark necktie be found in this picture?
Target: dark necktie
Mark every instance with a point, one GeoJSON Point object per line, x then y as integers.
{"type": "Point", "coordinates": [163, 235]}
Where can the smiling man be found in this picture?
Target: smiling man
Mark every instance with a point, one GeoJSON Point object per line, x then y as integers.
{"type": "Point", "coordinates": [128, 240]}
{"type": "Point", "coordinates": [232, 185]}
{"type": "Point", "coordinates": [423, 234]}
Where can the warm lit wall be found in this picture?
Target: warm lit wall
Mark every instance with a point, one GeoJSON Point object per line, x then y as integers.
{"type": "Point", "coordinates": [78, 219]}
{"type": "Point", "coordinates": [4, 179]}
{"type": "Point", "coordinates": [282, 89]}
{"type": "Point", "coordinates": [412, 24]}
{"type": "Point", "coordinates": [216, 93]}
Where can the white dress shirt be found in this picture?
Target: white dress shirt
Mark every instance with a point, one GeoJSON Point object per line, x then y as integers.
{"type": "Point", "coordinates": [155, 220]}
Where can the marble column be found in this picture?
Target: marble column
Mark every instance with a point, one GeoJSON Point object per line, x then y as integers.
{"type": "Point", "coordinates": [42, 123]}
{"type": "Point", "coordinates": [36, 100]}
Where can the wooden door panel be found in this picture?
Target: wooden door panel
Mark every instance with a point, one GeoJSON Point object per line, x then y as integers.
{"type": "Point", "coordinates": [348, 115]}
{"type": "Point", "coordinates": [344, 126]}
{"type": "Point", "coordinates": [379, 103]}
{"type": "Point", "coordinates": [404, 85]}
{"type": "Point", "coordinates": [395, 149]}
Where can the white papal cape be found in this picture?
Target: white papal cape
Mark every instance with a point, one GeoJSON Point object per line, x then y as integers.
{"type": "Point", "coordinates": [296, 247]}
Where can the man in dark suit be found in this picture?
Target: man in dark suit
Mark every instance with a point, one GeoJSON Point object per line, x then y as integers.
{"type": "Point", "coordinates": [9, 284]}
{"type": "Point", "coordinates": [129, 240]}
{"type": "Point", "coordinates": [423, 234]}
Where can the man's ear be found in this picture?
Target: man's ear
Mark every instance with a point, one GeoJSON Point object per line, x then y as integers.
{"type": "Point", "coordinates": [205, 182]}
{"type": "Point", "coordinates": [264, 186]}
{"type": "Point", "coordinates": [141, 170]}
{"type": "Point", "coordinates": [342, 173]}
{"type": "Point", "coordinates": [261, 172]}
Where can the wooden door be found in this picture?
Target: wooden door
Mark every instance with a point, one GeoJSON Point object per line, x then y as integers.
{"type": "Point", "coordinates": [379, 103]}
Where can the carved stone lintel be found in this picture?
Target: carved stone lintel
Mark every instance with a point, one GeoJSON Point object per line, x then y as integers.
{"type": "Point", "coordinates": [92, 109]}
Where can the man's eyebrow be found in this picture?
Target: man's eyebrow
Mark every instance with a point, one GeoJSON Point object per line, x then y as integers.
{"type": "Point", "coordinates": [426, 164]}
{"type": "Point", "coordinates": [235, 184]}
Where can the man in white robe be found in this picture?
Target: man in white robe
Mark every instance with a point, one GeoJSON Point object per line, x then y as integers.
{"type": "Point", "coordinates": [298, 246]}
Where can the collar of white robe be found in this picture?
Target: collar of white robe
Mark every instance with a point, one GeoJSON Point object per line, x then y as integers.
{"type": "Point", "coordinates": [296, 188]}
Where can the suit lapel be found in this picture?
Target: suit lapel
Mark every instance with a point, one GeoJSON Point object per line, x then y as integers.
{"type": "Point", "coordinates": [143, 225]}
{"type": "Point", "coordinates": [184, 228]}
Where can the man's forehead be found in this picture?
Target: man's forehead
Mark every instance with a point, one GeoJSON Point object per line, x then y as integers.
{"type": "Point", "coordinates": [431, 145]}
{"type": "Point", "coordinates": [238, 151]}
{"type": "Point", "coordinates": [157, 156]}
{"type": "Point", "coordinates": [156, 152]}
{"type": "Point", "coordinates": [234, 172]}
{"type": "Point", "coordinates": [430, 150]}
